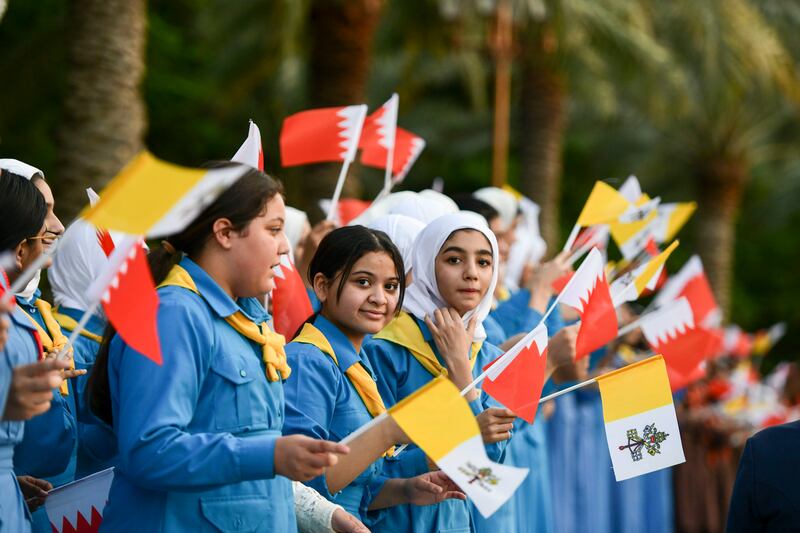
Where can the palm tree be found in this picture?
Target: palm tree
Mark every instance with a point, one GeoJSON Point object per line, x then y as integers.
{"type": "Point", "coordinates": [3, 6]}
{"type": "Point", "coordinates": [734, 79]}
{"type": "Point", "coordinates": [104, 115]}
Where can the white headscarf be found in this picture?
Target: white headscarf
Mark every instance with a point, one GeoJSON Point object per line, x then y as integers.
{"type": "Point", "coordinates": [529, 247]}
{"type": "Point", "coordinates": [403, 231]}
{"type": "Point", "coordinates": [296, 221]}
{"type": "Point", "coordinates": [30, 288]}
{"type": "Point", "coordinates": [79, 261]}
{"type": "Point", "coordinates": [503, 201]}
{"type": "Point", "coordinates": [422, 296]}
{"type": "Point", "coordinates": [22, 169]}
{"type": "Point", "coordinates": [426, 206]}
{"type": "Point", "coordinates": [381, 207]}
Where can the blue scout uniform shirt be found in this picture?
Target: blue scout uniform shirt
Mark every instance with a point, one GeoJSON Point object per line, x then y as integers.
{"type": "Point", "coordinates": [322, 403]}
{"type": "Point", "coordinates": [49, 448]}
{"type": "Point", "coordinates": [20, 349]}
{"type": "Point", "coordinates": [97, 445]}
{"type": "Point", "coordinates": [399, 374]}
{"type": "Point", "coordinates": [514, 315]}
{"type": "Point", "coordinates": [196, 436]}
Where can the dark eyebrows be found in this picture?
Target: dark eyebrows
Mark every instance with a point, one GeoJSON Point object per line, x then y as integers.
{"type": "Point", "coordinates": [484, 252]}
{"type": "Point", "coordinates": [455, 249]}
{"type": "Point", "coordinates": [362, 273]}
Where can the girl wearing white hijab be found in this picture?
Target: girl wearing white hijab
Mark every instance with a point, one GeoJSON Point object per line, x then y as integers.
{"type": "Point", "coordinates": [403, 231]}
{"type": "Point", "coordinates": [440, 332]}
{"type": "Point", "coordinates": [426, 206]}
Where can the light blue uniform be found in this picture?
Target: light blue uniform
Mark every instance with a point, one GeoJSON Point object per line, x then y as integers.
{"type": "Point", "coordinates": [322, 403]}
{"type": "Point", "coordinates": [20, 349]}
{"type": "Point", "coordinates": [49, 449]}
{"type": "Point", "coordinates": [97, 445]}
{"type": "Point", "coordinates": [399, 374]}
{"type": "Point", "coordinates": [197, 435]}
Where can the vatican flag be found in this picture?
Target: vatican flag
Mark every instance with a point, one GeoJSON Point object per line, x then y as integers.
{"type": "Point", "coordinates": [641, 426]}
{"type": "Point", "coordinates": [438, 419]}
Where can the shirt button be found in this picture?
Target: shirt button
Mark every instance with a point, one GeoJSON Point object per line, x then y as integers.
{"type": "Point", "coordinates": [243, 373]}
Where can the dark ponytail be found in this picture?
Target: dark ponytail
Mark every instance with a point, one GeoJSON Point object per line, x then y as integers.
{"type": "Point", "coordinates": [240, 203]}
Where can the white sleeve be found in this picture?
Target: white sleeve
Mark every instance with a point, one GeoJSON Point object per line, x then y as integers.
{"type": "Point", "coordinates": [312, 510]}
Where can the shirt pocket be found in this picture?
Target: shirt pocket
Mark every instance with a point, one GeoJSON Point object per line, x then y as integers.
{"type": "Point", "coordinates": [240, 395]}
{"type": "Point", "coordinates": [248, 513]}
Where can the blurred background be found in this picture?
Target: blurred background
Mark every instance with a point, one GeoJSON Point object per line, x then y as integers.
{"type": "Point", "coordinates": [697, 99]}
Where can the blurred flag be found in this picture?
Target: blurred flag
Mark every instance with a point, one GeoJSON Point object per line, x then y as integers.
{"type": "Point", "coordinates": [77, 507]}
{"type": "Point", "coordinates": [378, 137]}
{"type": "Point", "coordinates": [319, 135]}
{"type": "Point", "coordinates": [691, 282]}
{"type": "Point", "coordinates": [670, 218]}
{"type": "Point", "coordinates": [407, 149]}
{"type": "Point", "coordinates": [604, 205]}
{"type": "Point", "coordinates": [631, 190]}
{"type": "Point", "coordinates": [588, 293]}
{"type": "Point", "coordinates": [103, 237]}
{"type": "Point", "coordinates": [440, 422]}
{"type": "Point", "coordinates": [128, 294]}
{"type": "Point", "coordinates": [641, 426]}
{"type": "Point", "coordinates": [251, 152]}
{"type": "Point", "coordinates": [763, 341]}
{"type": "Point", "coordinates": [155, 198]}
{"type": "Point", "coordinates": [632, 230]}
{"type": "Point", "coordinates": [515, 379]}
{"type": "Point", "coordinates": [630, 285]}
{"type": "Point", "coordinates": [290, 304]}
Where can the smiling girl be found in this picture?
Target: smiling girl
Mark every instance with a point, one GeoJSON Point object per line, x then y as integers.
{"type": "Point", "coordinates": [199, 438]}
{"type": "Point", "coordinates": [358, 276]}
{"type": "Point", "coordinates": [455, 273]}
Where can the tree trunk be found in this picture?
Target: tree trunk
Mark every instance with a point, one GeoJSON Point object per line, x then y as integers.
{"type": "Point", "coordinates": [341, 33]}
{"type": "Point", "coordinates": [544, 120]}
{"type": "Point", "coordinates": [720, 181]}
{"type": "Point", "coordinates": [104, 115]}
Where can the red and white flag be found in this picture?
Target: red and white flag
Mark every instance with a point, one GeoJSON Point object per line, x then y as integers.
{"type": "Point", "coordinates": [77, 507]}
{"type": "Point", "coordinates": [691, 283]}
{"type": "Point", "coordinates": [251, 152]}
{"type": "Point", "coordinates": [128, 294]}
{"type": "Point", "coordinates": [515, 379]}
{"type": "Point", "coordinates": [673, 332]}
{"type": "Point", "coordinates": [320, 135]}
{"type": "Point", "coordinates": [379, 132]}
{"type": "Point", "coordinates": [588, 293]}
{"type": "Point", "coordinates": [408, 147]}
{"type": "Point", "coordinates": [290, 304]}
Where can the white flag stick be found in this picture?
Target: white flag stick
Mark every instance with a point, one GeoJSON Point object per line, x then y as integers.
{"type": "Point", "coordinates": [27, 274]}
{"type": "Point", "coordinates": [572, 236]}
{"type": "Point", "coordinates": [568, 389]}
{"type": "Point", "coordinates": [366, 427]}
{"type": "Point", "coordinates": [346, 165]}
{"type": "Point", "coordinates": [387, 176]}
{"type": "Point", "coordinates": [77, 331]}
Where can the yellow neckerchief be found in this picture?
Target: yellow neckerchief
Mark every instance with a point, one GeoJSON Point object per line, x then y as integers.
{"type": "Point", "coordinates": [271, 343]}
{"type": "Point", "coordinates": [404, 331]}
{"type": "Point", "coordinates": [358, 375]}
{"type": "Point", "coordinates": [68, 323]}
{"type": "Point", "coordinates": [53, 340]}
{"type": "Point", "coordinates": [502, 293]}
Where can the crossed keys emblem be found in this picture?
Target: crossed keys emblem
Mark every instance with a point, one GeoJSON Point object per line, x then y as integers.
{"type": "Point", "coordinates": [650, 441]}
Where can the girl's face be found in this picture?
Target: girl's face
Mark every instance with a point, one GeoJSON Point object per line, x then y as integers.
{"type": "Point", "coordinates": [369, 297]}
{"type": "Point", "coordinates": [54, 227]}
{"type": "Point", "coordinates": [463, 269]}
{"type": "Point", "coordinates": [28, 250]}
{"type": "Point", "coordinates": [257, 250]}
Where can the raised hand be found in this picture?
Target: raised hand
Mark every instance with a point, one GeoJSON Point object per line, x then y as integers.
{"type": "Point", "coordinates": [302, 458]}
{"type": "Point", "coordinates": [32, 387]}
{"type": "Point", "coordinates": [454, 342]}
{"type": "Point", "coordinates": [496, 424]}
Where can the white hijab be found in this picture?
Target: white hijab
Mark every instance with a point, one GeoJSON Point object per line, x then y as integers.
{"type": "Point", "coordinates": [403, 231]}
{"type": "Point", "coordinates": [80, 260]}
{"type": "Point", "coordinates": [296, 221]}
{"type": "Point", "coordinates": [20, 168]}
{"type": "Point", "coordinates": [503, 201]}
{"type": "Point", "coordinates": [426, 206]}
{"type": "Point", "coordinates": [423, 297]}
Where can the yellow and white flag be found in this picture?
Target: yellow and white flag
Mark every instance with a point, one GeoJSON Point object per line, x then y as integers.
{"type": "Point", "coordinates": [641, 426]}
{"type": "Point", "coordinates": [604, 205]}
{"type": "Point", "coordinates": [629, 286]}
{"type": "Point", "coordinates": [155, 198]}
{"type": "Point", "coordinates": [670, 219]}
{"type": "Point", "coordinates": [438, 419]}
{"type": "Point", "coordinates": [633, 229]}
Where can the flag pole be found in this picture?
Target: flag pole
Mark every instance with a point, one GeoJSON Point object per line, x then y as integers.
{"type": "Point", "coordinates": [568, 389]}
{"type": "Point", "coordinates": [366, 427]}
{"type": "Point", "coordinates": [351, 155]}
{"type": "Point", "coordinates": [27, 274]}
{"type": "Point", "coordinates": [77, 331]}
{"type": "Point", "coordinates": [572, 236]}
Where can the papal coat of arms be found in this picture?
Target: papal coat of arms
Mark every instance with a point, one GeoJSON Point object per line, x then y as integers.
{"type": "Point", "coordinates": [650, 441]}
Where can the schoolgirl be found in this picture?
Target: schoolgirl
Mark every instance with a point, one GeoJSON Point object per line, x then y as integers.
{"type": "Point", "coordinates": [199, 437]}
{"type": "Point", "coordinates": [358, 276]}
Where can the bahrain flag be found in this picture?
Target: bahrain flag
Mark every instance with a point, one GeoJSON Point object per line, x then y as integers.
{"type": "Point", "coordinates": [320, 135]}
{"type": "Point", "coordinates": [290, 304]}
{"type": "Point", "coordinates": [77, 507]}
{"type": "Point", "coordinates": [691, 283]}
{"type": "Point", "coordinates": [250, 152]}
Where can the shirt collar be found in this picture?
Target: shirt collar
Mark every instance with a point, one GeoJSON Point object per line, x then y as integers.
{"type": "Point", "coordinates": [218, 299]}
{"type": "Point", "coordinates": [30, 302]}
{"type": "Point", "coordinates": [96, 325]}
{"type": "Point", "coordinates": [426, 332]}
{"type": "Point", "coordinates": [345, 351]}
